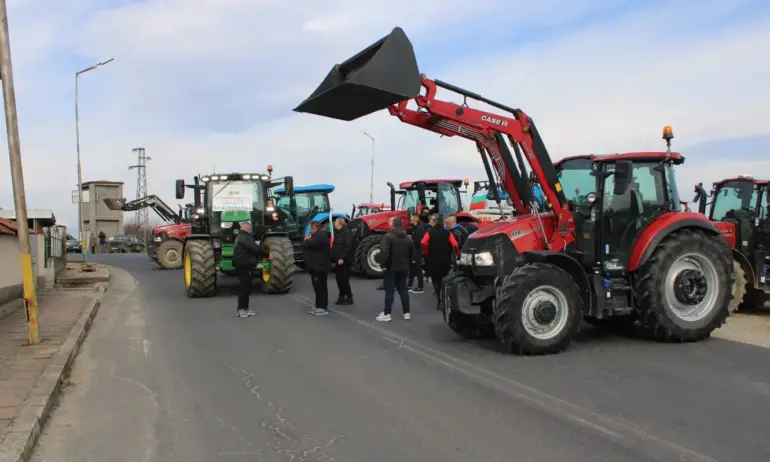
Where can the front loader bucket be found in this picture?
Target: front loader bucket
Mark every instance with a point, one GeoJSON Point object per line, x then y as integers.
{"type": "Point", "coordinates": [114, 203]}
{"type": "Point", "coordinates": [383, 74]}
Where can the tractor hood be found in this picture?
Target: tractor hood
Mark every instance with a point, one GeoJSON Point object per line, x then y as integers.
{"type": "Point", "coordinates": [523, 231]}
{"type": "Point", "coordinates": [162, 228]}
{"type": "Point", "coordinates": [380, 219]}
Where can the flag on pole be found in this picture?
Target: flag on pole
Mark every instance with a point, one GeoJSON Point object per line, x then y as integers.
{"type": "Point", "coordinates": [479, 200]}
{"type": "Point", "coordinates": [331, 227]}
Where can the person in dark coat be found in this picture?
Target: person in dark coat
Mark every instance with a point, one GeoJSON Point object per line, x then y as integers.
{"type": "Point", "coordinates": [318, 262]}
{"type": "Point", "coordinates": [442, 248]}
{"type": "Point", "coordinates": [396, 254]}
{"type": "Point", "coordinates": [342, 256]}
{"type": "Point", "coordinates": [246, 255]}
{"type": "Point", "coordinates": [102, 242]}
{"type": "Point", "coordinates": [418, 230]}
{"type": "Point", "coordinates": [459, 232]}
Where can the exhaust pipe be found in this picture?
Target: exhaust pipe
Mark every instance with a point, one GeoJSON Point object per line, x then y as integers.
{"type": "Point", "coordinates": [383, 74]}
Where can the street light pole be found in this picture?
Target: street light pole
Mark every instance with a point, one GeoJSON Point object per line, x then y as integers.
{"type": "Point", "coordinates": [17, 177]}
{"type": "Point", "coordinates": [83, 243]}
{"type": "Point", "coordinates": [371, 178]}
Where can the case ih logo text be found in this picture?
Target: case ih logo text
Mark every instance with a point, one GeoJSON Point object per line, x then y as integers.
{"type": "Point", "coordinates": [492, 120]}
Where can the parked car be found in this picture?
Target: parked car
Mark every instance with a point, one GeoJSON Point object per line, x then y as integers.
{"type": "Point", "coordinates": [124, 244]}
{"type": "Point", "coordinates": [74, 245]}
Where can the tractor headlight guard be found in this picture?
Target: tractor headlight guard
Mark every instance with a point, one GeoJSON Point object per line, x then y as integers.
{"type": "Point", "coordinates": [477, 259]}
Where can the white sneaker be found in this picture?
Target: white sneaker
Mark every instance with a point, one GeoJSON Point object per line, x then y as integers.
{"type": "Point", "coordinates": [382, 317]}
{"type": "Point", "coordinates": [407, 316]}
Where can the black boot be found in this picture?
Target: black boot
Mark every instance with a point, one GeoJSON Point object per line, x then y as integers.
{"type": "Point", "coordinates": [347, 300]}
{"type": "Point", "coordinates": [340, 300]}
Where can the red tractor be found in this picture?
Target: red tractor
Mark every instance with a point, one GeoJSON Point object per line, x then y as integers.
{"type": "Point", "coordinates": [611, 244]}
{"type": "Point", "coordinates": [368, 208]}
{"type": "Point", "coordinates": [420, 197]}
{"type": "Point", "coordinates": [739, 209]}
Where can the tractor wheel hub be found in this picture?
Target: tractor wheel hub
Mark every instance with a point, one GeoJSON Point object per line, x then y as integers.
{"type": "Point", "coordinates": [690, 287]}
{"type": "Point", "coordinates": [544, 313]}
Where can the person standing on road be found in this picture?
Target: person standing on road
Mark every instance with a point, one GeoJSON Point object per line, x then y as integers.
{"type": "Point", "coordinates": [459, 232]}
{"type": "Point", "coordinates": [396, 254]}
{"type": "Point", "coordinates": [102, 242]}
{"type": "Point", "coordinates": [318, 261]}
{"type": "Point", "coordinates": [342, 257]}
{"type": "Point", "coordinates": [418, 230]}
{"type": "Point", "coordinates": [441, 247]}
{"type": "Point", "coordinates": [92, 244]}
{"type": "Point", "coordinates": [246, 255]}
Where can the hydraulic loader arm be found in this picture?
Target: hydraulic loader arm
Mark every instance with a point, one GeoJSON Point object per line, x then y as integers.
{"type": "Point", "coordinates": [164, 211]}
{"type": "Point", "coordinates": [489, 131]}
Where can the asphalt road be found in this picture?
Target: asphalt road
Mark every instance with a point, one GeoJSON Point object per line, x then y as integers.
{"type": "Point", "coordinates": [164, 378]}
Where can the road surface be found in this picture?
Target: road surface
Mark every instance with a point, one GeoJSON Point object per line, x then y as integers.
{"type": "Point", "coordinates": [164, 378]}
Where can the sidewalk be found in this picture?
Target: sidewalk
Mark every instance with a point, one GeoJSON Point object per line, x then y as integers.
{"type": "Point", "coordinates": [30, 376]}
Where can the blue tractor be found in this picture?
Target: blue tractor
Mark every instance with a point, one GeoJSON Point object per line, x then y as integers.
{"type": "Point", "coordinates": [309, 203]}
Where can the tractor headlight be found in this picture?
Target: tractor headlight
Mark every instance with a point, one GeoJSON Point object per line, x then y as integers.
{"type": "Point", "coordinates": [227, 225]}
{"type": "Point", "coordinates": [246, 177]}
{"type": "Point", "coordinates": [200, 211]}
{"type": "Point", "coordinates": [478, 259]}
{"type": "Point", "coordinates": [158, 239]}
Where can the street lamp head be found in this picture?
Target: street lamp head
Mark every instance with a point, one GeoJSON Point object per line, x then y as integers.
{"type": "Point", "coordinates": [95, 66]}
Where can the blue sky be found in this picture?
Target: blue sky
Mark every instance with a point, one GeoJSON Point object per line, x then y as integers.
{"type": "Point", "coordinates": [203, 82]}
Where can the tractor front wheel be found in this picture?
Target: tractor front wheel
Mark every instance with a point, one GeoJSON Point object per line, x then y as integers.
{"type": "Point", "coordinates": [200, 269]}
{"type": "Point", "coordinates": [279, 278]}
{"type": "Point", "coordinates": [537, 309]}
{"type": "Point", "coordinates": [366, 256]}
{"type": "Point", "coordinates": [169, 254]}
{"type": "Point", "coordinates": [684, 291]}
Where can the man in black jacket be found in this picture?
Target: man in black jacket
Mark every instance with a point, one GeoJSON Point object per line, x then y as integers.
{"type": "Point", "coordinates": [342, 257]}
{"type": "Point", "coordinates": [318, 262]}
{"type": "Point", "coordinates": [442, 248]}
{"type": "Point", "coordinates": [246, 255]}
{"type": "Point", "coordinates": [418, 230]}
{"type": "Point", "coordinates": [396, 253]}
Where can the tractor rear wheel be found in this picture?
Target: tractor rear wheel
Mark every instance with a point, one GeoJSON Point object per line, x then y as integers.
{"type": "Point", "coordinates": [537, 309]}
{"type": "Point", "coordinates": [739, 287]}
{"type": "Point", "coordinates": [366, 256]}
{"type": "Point", "coordinates": [200, 269]}
{"type": "Point", "coordinates": [170, 253]}
{"type": "Point", "coordinates": [684, 291]}
{"type": "Point", "coordinates": [464, 325]}
{"type": "Point", "coordinates": [280, 277]}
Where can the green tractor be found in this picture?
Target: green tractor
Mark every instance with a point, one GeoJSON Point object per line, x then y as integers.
{"type": "Point", "coordinates": [229, 199]}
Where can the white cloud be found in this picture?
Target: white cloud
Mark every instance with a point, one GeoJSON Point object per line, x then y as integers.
{"type": "Point", "coordinates": [605, 86]}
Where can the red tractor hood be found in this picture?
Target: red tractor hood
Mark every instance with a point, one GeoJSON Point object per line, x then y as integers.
{"type": "Point", "coordinates": [378, 221]}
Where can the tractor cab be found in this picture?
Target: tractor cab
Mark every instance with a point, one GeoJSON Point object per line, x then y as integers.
{"type": "Point", "coordinates": [427, 197]}
{"type": "Point", "coordinates": [614, 197]}
{"type": "Point", "coordinates": [740, 209]}
{"type": "Point", "coordinates": [368, 208]}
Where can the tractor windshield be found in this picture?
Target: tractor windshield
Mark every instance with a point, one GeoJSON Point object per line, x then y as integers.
{"type": "Point", "coordinates": [734, 196]}
{"type": "Point", "coordinates": [229, 196]}
{"type": "Point", "coordinates": [307, 202]}
{"type": "Point", "coordinates": [577, 178]}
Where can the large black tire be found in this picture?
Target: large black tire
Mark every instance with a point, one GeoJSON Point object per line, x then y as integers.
{"type": "Point", "coordinates": [200, 269]}
{"type": "Point", "coordinates": [686, 266]}
{"type": "Point", "coordinates": [516, 300]}
{"type": "Point", "coordinates": [739, 287]}
{"type": "Point", "coordinates": [464, 325]}
{"type": "Point", "coordinates": [171, 254]}
{"type": "Point", "coordinates": [281, 276]}
{"type": "Point", "coordinates": [365, 254]}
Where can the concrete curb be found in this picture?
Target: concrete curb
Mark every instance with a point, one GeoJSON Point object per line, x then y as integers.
{"type": "Point", "coordinates": [22, 435]}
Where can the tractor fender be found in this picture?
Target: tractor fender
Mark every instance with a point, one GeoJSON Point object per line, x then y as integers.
{"type": "Point", "coordinates": [654, 233]}
{"type": "Point", "coordinates": [751, 276]}
{"type": "Point", "coordinates": [568, 264]}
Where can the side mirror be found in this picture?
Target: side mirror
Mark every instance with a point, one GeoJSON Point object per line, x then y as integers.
{"type": "Point", "coordinates": [180, 189]}
{"type": "Point", "coordinates": [288, 185]}
{"type": "Point", "coordinates": [591, 198]}
{"type": "Point", "coordinates": [623, 173]}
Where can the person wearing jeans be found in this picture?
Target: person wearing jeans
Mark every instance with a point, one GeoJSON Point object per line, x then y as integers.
{"type": "Point", "coordinates": [396, 254]}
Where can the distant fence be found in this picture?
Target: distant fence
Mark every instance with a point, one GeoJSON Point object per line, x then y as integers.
{"type": "Point", "coordinates": [56, 247]}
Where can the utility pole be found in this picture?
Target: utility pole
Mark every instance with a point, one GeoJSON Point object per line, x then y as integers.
{"type": "Point", "coordinates": [17, 177]}
{"type": "Point", "coordinates": [143, 214]}
{"type": "Point", "coordinates": [371, 178]}
{"type": "Point", "coordinates": [83, 243]}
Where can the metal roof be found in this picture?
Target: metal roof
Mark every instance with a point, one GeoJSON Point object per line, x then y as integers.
{"type": "Point", "coordinates": [327, 188]}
